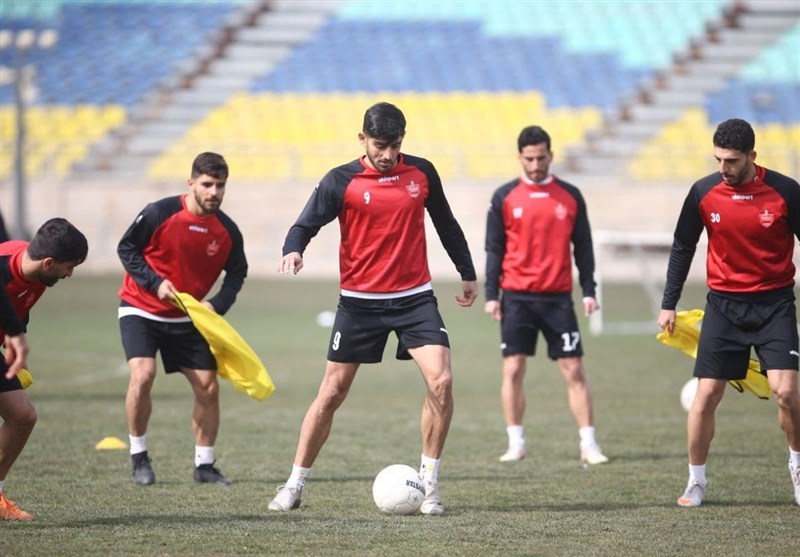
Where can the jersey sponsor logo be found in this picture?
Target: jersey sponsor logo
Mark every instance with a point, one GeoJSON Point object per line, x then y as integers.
{"type": "Point", "coordinates": [538, 194]}
{"type": "Point", "coordinates": [197, 228]}
{"type": "Point", "coordinates": [742, 197]}
{"type": "Point", "coordinates": [561, 211]}
{"type": "Point", "coordinates": [384, 179]}
{"type": "Point", "coordinates": [766, 218]}
{"type": "Point", "coordinates": [212, 248]}
{"type": "Point", "coordinates": [413, 189]}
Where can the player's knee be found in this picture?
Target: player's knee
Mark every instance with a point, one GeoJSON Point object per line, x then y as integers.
{"type": "Point", "coordinates": [331, 396]}
{"type": "Point", "coordinates": [441, 388]}
{"type": "Point", "coordinates": [142, 380]}
{"type": "Point", "coordinates": [25, 420]}
{"type": "Point", "coordinates": [208, 392]}
{"type": "Point", "coordinates": [787, 398]}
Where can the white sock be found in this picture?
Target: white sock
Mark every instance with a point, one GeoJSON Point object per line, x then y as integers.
{"type": "Point", "coordinates": [298, 476]}
{"type": "Point", "coordinates": [697, 474]}
{"type": "Point", "coordinates": [203, 455]}
{"type": "Point", "coordinates": [794, 458]}
{"type": "Point", "coordinates": [138, 444]}
{"type": "Point", "coordinates": [516, 437]}
{"type": "Point", "coordinates": [429, 469]}
{"type": "Point", "coordinates": [586, 435]}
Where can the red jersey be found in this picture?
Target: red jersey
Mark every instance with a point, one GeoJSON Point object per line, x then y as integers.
{"type": "Point", "coordinates": [166, 241]}
{"type": "Point", "coordinates": [382, 223]}
{"type": "Point", "coordinates": [21, 295]}
{"type": "Point", "coordinates": [751, 231]}
{"type": "Point", "coordinates": [530, 233]}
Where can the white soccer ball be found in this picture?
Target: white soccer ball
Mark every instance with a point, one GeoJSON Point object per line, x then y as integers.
{"type": "Point", "coordinates": [687, 393]}
{"type": "Point", "coordinates": [325, 319]}
{"type": "Point", "coordinates": [398, 489]}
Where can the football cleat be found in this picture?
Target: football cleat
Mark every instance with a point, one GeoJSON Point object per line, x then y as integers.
{"type": "Point", "coordinates": [514, 454]}
{"type": "Point", "coordinates": [794, 471]}
{"type": "Point", "coordinates": [142, 470]}
{"type": "Point", "coordinates": [287, 499]}
{"type": "Point", "coordinates": [432, 504]}
{"type": "Point", "coordinates": [593, 455]}
{"type": "Point", "coordinates": [207, 474]}
{"type": "Point", "coordinates": [693, 496]}
{"type": "Point", "coordinates": [10, 511]}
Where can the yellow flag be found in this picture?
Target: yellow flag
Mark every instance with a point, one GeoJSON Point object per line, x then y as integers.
{"type": "Point", "coordinates": [236, 361]}
{"type": "Point", "coordinates": [685, 338]}
{"type": "Point", "coordinates": [25, 378]}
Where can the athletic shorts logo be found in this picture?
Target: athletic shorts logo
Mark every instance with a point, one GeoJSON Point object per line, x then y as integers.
{"type": "Point", "coordinates": [212, 248]}
{"type": "Point", "coordinates": [766, 218]}
{"type": "Point", "coordinates": [413, 189]}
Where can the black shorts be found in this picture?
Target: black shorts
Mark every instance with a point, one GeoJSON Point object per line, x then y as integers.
{"type": "Point", "coordinates": [362, 327]}
{"type": "Point", "coordinates": [733, 325]}
{"type": "Point", "coordinates": [525, 315]}
{"type": "Point", "coordinates": [7, 385]}
{"type": "Point", "coordinates": [180, 344]}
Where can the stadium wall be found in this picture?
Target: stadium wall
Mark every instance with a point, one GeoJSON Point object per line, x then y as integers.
{"type": "Point", "coordinates": [629, 221]}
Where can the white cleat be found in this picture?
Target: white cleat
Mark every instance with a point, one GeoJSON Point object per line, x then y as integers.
{"type": "Point", "coordinates": [432, 504]}
{"type": "Point", "coordinates": [693, 496]}
{"type": "Point", "coordinates": [513, 454]}
{"type": "Point", "coordinates": [593, 455]}
{"type": "Point", "coordinates": [287, 499]}
{"type": "Point", "coordinates": [794, 471]}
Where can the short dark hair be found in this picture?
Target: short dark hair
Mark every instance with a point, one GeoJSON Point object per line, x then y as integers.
{"type": "Point", "coordinates": [735, 134]}
{"type": "Point", "coordinates": [59, 239]}
{"type": "Point", "coordinates": [210, 164]}
{"type": "Point", "coordinates": [532, 135]}
{"type": "Point", "coordinates": [384, 121]}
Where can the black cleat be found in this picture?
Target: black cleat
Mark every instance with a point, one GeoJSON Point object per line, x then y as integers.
{"type": "Point", "coordinates": [206, 473]}
{"type": "Point", "coordinates": [142, 471]}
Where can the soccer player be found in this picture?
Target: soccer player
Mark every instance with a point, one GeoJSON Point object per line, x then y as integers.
{"type": "Point", "coordinates": [181, 243]}
{"type": "Point", "coordinates": [26, 270]}
{"type": "Point", "coordinates": [532, 224]}
{"type": "Point", "coordinates": [380, 200]}
{"type": "Point", "coordinates": [750, 214]}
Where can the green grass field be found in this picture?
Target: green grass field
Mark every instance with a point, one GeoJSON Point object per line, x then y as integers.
{"type": "Point", "coordinates": [86, 504]}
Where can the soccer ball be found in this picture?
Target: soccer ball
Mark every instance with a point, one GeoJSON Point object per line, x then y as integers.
{"type": "Point", "coordinates": [398, 489]}
{"type": "Point", "coordinates": [687, 393]}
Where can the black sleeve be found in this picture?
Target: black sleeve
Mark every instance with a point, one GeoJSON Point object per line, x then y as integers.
{"type": "Point", "coordinates": [235, 269]}
{"type": "Point", "coordinates": [137, 237]}
{"type": "Point", "coordinates": [583, 248]}
{"type": "Point", "coordinates": [789, 189]}
{"type": "Point", "coordinates": [450, 233]}
{"type": "Point", "coordinates": [495, 244]}
{"type": "Point", "coordinates": [684, 244]}
{"type": "Point", "coordinates": [323, 206]}
{"type": "Point", "coordinates": [11, 323]}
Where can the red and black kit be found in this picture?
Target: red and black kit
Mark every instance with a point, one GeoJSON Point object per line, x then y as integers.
{"type": "Point", "coordinates": [382, 224]}
{"type": "Point", "coordinates": [167, 241]}
{"type": "Point", "coordinates": [18, 295]}
{"type": "Point", "coordinates": [751, 230]}
{"type": "Point", "coordinates": [530, 231]}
